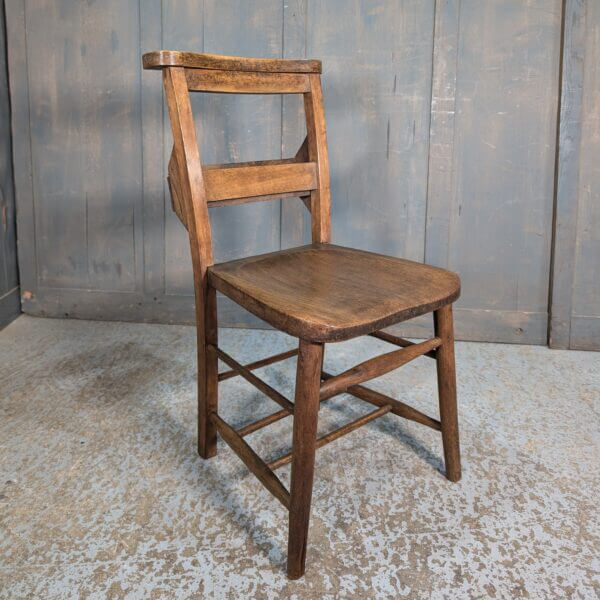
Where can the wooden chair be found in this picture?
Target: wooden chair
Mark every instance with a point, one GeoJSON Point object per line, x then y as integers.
{"type": "Point", "coordinates": [319, 293]}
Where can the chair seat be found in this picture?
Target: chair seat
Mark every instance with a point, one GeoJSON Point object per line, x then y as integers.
{"type": "Point", "coordinates": [328, 293]}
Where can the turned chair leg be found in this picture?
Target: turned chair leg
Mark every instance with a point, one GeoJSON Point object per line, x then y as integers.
{"type": "Point", "coordinates": [446, 375]}
{"type": "Point", "coordinates": [206, 327]}
{"type": "Point", "coordinates": [306, 408]}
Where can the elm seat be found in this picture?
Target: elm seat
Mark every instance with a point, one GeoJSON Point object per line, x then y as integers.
{"type": "Point", "coordinates": [330, 293]}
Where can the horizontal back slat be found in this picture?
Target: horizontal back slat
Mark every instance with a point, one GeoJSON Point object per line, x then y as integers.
{"type": "Point", "coordinates": [231, 82]}
{"type": "Point", "coordinates": [266, 179]}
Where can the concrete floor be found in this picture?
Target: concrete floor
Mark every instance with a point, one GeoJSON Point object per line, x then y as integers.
{"type": "Point", "coordinates": [102, 494]}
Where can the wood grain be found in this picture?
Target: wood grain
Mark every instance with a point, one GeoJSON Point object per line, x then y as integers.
{"type": "Point", "coordinates": [228, 82]}
{"type": "Point", "coordinates": [381, 106]}
{"type": "Point", "coordinates": [375, 367]}
{"type": "Point", "coordinates": [316, 136]}
{"type": "Point", "coordinates": [447, 391]}
{"type": "Point", "coordinates": [575, 287]}
{"type": "Point", "coordinates": [585, 307]}
{"type": "Point", "coordinates": [263, 180]}
{"type": "Point", "coordinates": [328, 293]}
{"type": "Point", "coordinates": [319, 293]}
{"type": "Point", "coordinates": [9, 278]}
{"type": "Point", "coordinates": [308, 378]}
{"type": "Point", "coordinates": [171, 58]}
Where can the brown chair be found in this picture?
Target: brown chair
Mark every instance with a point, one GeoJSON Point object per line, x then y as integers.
{"type": "Point", "coordinates": [319, 293]}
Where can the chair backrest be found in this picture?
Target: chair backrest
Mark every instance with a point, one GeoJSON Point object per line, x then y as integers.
{"type": "Point", "coordinates": [195, 186]}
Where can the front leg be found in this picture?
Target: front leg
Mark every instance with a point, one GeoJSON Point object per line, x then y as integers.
{"type": "Point", "coordinates": [306, 409]}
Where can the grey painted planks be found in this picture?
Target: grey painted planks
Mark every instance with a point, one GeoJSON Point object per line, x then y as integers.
{"type": "Point", "coordinates": [85, 134]}
{"type": "Point", "coordinates": [585, 316]}
{"type": "Point", "coordinates": [567, 176]}
{"type": "Point", "coordinates": [442, 146]}
{"type": "Point", "coordinates": [377, 78]}
{"type": "Point", "coordinates": [10, 305]}
{"type": "Point", "coordinates": [491, 212]}
{"type": "Point", "coordinates": [575, 302]}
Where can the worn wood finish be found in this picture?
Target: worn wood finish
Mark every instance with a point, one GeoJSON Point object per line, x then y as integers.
{"type": "Point", "coordinates": [318, 293]}
{"type": "Point", "coordinates": [575, 295]}
{"type": "Point", "coordinates": [262, 180]}
{"type": "Point", "coordinates": [491, 175]}
{"type": "Point", "coordinates": [447, 391]}
{"type": "Point", "coordinates": [375, 367]}
{"type": "Point", "coordinates": [193, 199]}
{"type": "Point", "coordinates": [226, 82]}
{"type": "Point", "coordinates": [9, 285]}
{"type": "Point", "coordinates": [316, 137]}
{"type": "Point", "coordinates": [303, 196]}
{"type": "Point", "coordinates": [255, 381]}
{"type": "Point", "coordinates": [79, 165]}
{"type": "Point", "coordinates": [334, 435]}
{"type": "Point", "coordinates": [585, 316]}
{"type": "Point", "coordinates": [263, 362]}
{"type": "Point", "coordinates": [171, 58]}
{"type": "Point", "coordinates": [308, 379]}
{"type": "Point", "coordinates": [208, 369]}
{"type": "Point", "coordinates": [397, 407]}
{"type": "Point", "coordinates": [252, 460]}
{"type": "Point", "coordinates": [175, 190]}
{"type": "Point", "coordinates": [328, 293]}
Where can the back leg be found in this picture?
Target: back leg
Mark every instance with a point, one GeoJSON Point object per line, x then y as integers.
{"type": "Point", "coordinates": [444, 329]}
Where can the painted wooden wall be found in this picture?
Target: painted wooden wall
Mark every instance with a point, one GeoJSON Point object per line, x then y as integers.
{"type": "Point", "coordinates": [575, 315]}
{"type": "Point", "coordinates": [9, 281]}
{"type": "Point", "coordinates": [442, 121]}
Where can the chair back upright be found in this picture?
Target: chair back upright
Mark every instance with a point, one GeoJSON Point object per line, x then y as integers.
{"type": "Point", "coordinates": [195, 186]}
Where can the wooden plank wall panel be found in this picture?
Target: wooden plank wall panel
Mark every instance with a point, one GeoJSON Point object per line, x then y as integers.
{"type": "Point", "coordinates": [567, 172]}
{"type": "Point", "coordinates": [10, 306]}
{"type": "Point", "coordinates": [492, 155]}
{"type": "Point", "coordinates": [153, 164]}
{"type": "Point", "coordinates": [377, 64]}
{"type": "Point", "coordinates": [585, 318]}
{"type": "Point", "coordinates": [85, 133]}
{"type": "Point", "coordinates": [295, 219]}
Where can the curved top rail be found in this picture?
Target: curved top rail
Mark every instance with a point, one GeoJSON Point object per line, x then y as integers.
{"type": "Point", "coordinates": [192, 60]}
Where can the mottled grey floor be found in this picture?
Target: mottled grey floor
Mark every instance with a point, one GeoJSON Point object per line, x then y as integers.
{"type": "Point", "coordinates": [102, 494]}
